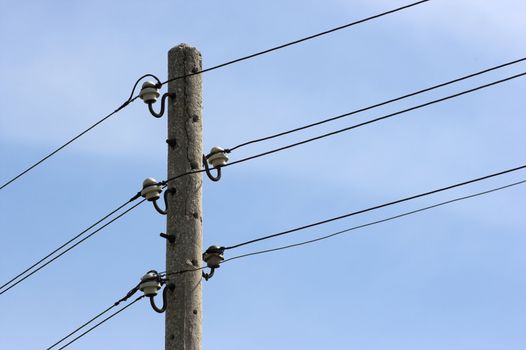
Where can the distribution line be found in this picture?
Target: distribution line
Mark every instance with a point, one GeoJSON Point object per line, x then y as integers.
{"type": "Point", "coordinates": [121, 107]}
{"type": "Point", "coordinates": [68, 242]}
{"type": "Point", "coordinates": [73, 246]}
{"type": "Point", "coordinates": [387, 116]}
{"type": "Point", "coordinates": [458, 199]}
{"type": "Point", "coordinates": [114, 305]}
{"type": "Point", "coordinates": [380, 104]}
{"type": "Point", "coordinates": [101, 322]}
{"type": "Point", "coordinates": [82, 326]}
{"type": "Point", "coordinates": [420, 195]}
{"type": "Point", "coordinates": [279, 47]}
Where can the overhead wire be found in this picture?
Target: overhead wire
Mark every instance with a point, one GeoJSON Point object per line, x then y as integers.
{"type": "Point", "coordinates": [114, 305]}
{"type": "Point", "coordinates": [458, 199]}
{"type": "Point", "coordinates": [387, 116]}
{"type": "Point", "coordinates": [66, 243]}
{"type": "Point", "coordinates": [67, 250]}
{"type": "Point", "coordinates": [282, 46]}
{"type": "Point", "coordinates": [101, 322]}
{"type": "Point", "coordinates": [380, 104]}
{"type": "Point", "coordinates": [376, 207]}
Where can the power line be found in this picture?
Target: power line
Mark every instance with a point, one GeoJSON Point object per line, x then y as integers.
{"type": "Point", "coordinates": [376, 207]}
{"type": "Point", "coordinates": [387, 116]}
{"type": "Point", "coordinates": [279, 47]}
{"type": "Point", "coordinates": [114, 305]}
{"type": "Point", "coordinates": [71, 247]}
{"type": "Point", "coordinates": [82, 326]}
{"type": "Point", "coordinates": [121, 107]}
{"type": "Point", "coordinates": [487, 70]}
{"type": "Point", "coordinates": [66, 243]}
{"type": "Point", "coordinates": [101, 322]}
{"type": "Point", "coordinates": [375, 222]}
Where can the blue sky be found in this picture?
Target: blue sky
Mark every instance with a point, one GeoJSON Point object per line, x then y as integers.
{"type": "Point", "coordinates": [448, 278]}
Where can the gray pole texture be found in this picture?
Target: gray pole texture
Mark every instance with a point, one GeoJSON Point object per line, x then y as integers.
{"type": "Point", "coordinates": [184, 217]}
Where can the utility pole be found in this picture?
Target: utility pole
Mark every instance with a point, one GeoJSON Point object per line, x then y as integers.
{"type": "Point", "coordinates": [184, 208]}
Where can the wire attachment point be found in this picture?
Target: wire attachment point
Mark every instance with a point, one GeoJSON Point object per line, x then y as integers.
{"type": "Point", "coordinates": [150, 92]}
{"type": "Point", "coordinates": [213, 257]}
{"type": "Point", "coordinates": [150, 284]}
{"type": "Point", "coordinates": [217, 158]}
{"type": "Point", "coordinates": [151, 191]}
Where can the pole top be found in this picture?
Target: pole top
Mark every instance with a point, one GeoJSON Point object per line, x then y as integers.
{"type": "Point", "coordinates": [183, 47]}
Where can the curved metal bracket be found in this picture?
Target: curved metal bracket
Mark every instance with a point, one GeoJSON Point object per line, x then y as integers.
{"type": "Point", "coordinates": [156, 206]}
{"type": "Point", "coordinates": [159, 210]}
{"type": "Point", "coordinates": [163, 103]}
{"type": "Point", "coordinates": [171, 287]}
{"type": "Point", "coordinates": [209, 275]}
{"type": "Point", "coordinates": [208, 173]}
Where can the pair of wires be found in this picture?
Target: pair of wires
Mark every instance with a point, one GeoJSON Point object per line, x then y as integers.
{"type": "Point", "coordinates": [96, 317]}
{"type": "Point", "coordinates": [67, 246]}
{"type": "Point", "coordinates": [322, 238]}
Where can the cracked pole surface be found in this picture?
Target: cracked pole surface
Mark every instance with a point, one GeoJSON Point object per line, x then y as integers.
{"type": "Point", "coordinates": [184, 217]}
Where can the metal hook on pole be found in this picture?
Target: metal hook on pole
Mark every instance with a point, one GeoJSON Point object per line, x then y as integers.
{"type": "Point", "coordinates": [156, 206]}
{"type": "Point", "coordinates": [162, 309]}
{"type": "Point", "coordinates": [208, 173]}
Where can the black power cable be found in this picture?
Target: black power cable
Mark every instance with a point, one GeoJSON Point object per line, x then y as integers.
{"type": "Point", "coordinates": [123, 299]}
{"type": "Point", "coordinates": [380, 104]}
{"type": "Point", "coordinates": [387, 116]}
{"type": "Point", "coordinates": [66, 243]}
{"type": "Point", "coordinates": [101, 322]}
{"type": "Point", "coordinates": [458, 199]}
{"type": "Point", "coordinates": [67, 250]}
{"type": "Point", "coordinates": [279, 47]}
{"type": "Point", "coordinates": [424, 194]}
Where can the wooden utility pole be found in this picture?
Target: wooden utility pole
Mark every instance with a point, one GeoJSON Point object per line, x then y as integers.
{"type": "Point", "coordinates": [184, 213]}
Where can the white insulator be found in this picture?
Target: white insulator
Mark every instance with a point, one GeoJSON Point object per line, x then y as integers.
{"type": "Point", "coordinates": [150, 284]}
{"type": "Point", "coordinates": [151, 190]}
{"type": "Point", "coordinates": [217, 157]}
{"type": "Point", "coordinates": [149, 92]}
{"type": "Point", "coordinates": [213, 256]}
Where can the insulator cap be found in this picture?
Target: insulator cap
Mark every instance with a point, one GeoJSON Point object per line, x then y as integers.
{"type": "Point", "coordinates": [217, 157]}
{"type": "Point", "coordinates": [213, 256]}
{"type": "Point", "coordinates": [150, 283]}
{"type": "Point", "coordinates": [151, 190]}
{"type": "Point", "coordinates": [149, 92]}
